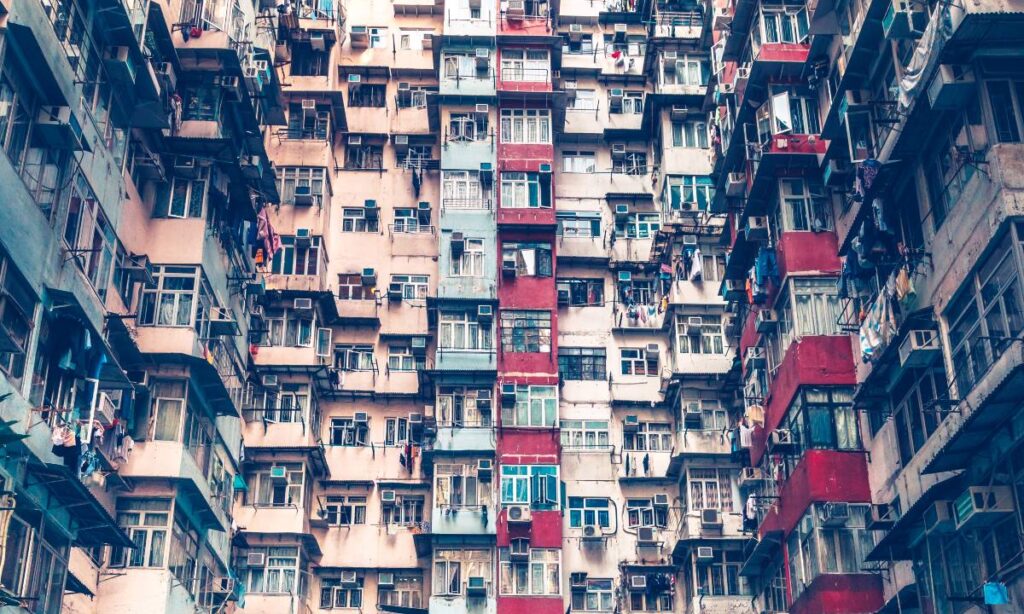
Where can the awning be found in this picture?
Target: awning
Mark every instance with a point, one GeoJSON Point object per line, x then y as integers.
{"type": "Point", "coordinates": [763, 551]}
{"type": "Point", "coordinates": [398, 609]}
{"type": "Point", "coordinates": [895, 546]}
{"type": "Point", "coordinates": [73, 585]}
{"type": "Point", "coordinates": [239, 483]}
{"type": "Point", "coordinates": [95, 526]}
{"type": "Point", "coordinates": [64, 304]}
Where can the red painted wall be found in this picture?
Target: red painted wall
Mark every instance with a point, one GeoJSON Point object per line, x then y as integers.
{"type": "Point", "coordinates": [841, 594]}
{"type": "Point", "coordinates": [530, 605]}
{"type": "Point", "coordinates": [528, 446]}
{"type": "Point", "coordinates": [808, 252]}
{"type": "Point", "coordinates": [820, 476]}
{"type": "Point", "coordinates": [545, 531]}
{"type": "Point", "coordinates": [524, 27]}
{"type": "Point", "coordinates": [783, 52]}
{"type": "Point", "coordinates": [810, 361]}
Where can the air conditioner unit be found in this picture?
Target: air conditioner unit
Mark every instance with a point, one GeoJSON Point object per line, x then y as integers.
{"type": "Point", "coordinates": [476, 586]}
{"type": "Point", "coordinates": [483, 57]}
{"type": "Point", "coordinates": [386, 579]}
{"type": "Point", "coordinates": [669, 59]}
{"type": "Point", "coordinates": [368, 277]}
{"type": "Point", "coordinates": [980, 506]}
{"type": "Point", "coordinates": [270, 381]}
{"type": "Point", "coordinates": [482, 109]}
{"type": "Point", "coordinates": [694, 321]}
{"type": "Point", "coordinates": [618, 151]}
{"type": "Point", "coordinates": [564, 296]}
{"type": "Point", "coordinates": [119, 65]}
{"type": "Point", "coordinates": [256, 559]}
{"type": "Point", "coordinates": [484, 312]}
{"type": "Point", "coordinates": [303, 237]}
{"type": "Point", "coordinates": [415, 420]}
{"type": "Point", "coordinates": [781, 441]}
{"type": "Point", "coordinates": [404, 86]}
{"type": "Point", "coordinates": [693, 415]}
{"type": "Point", "coordinates": [734, 290]}
{"type": "Point", "coordinates": [705, 554]}
{"type": "Point", "coordinates": [660, 500]}
{"type": "Point", "coordinates": [620, 30]}
{"type": "Point", "coordinates": [317, 41]}
{"type": "Point", "coordinates": [638, 582]}
{"type": "Point", "coordinates": [653, 349]}
{"type": "Point", "coordinates": [939, 518]}
{"type": "Point", "coordinates": [518, 514]}
{"type": "Point", "coordinates": [388, 496]}
{"type": "Point", "coordinates": [278, 473]}
{"type": "Point", "coordinates": [400, 140]}
{"type": "Point", "coordinates": [883, 517]}
{"type": "Point", "coordinates": [621, 212]}
{"type": "Point", "coordinates": [690, 240]}
{"type": "Point", "coordinates": [302, 304]}
{"type": "Point", "coordinates": [631, 423]}
{"type": "Point", "coordinates": [578, 579]}
{"type": "Point", "coordinates": [484, 469]}
{"type": "Point", "coordinates": [185, 166]}
{"type": "Point", "coordinates": [904, 19]}
{"type": "Point", "coordinates": [751, 476]}
{"type": "Point", "coordinates": [835, 514]}
{"type": "Point", "coordinates": [757, 228]}
{"type": "Point", "coordinates": [516, 9]}
{"type": "Point", "coordinates": [304, 195]}
{"type": "Point", "coordinates": [508, 395]}
{"type": "Point", "coordinates": [355, 140]}
{"type": "Point", "coordinates": [710, 519]}
{"type": "Point", "coordinates": [418, 345]}
{"type": "Point", "coordinates": [361, 417]}
{"type": "Point", "coordinates": [544, 168]}
{"type": "Point", "coordinates": [106, 411]}
{"type": "Point", "coordinates": [952, 88]}
{"type": "Point", "coordinates": [138, 268]}
{"type": "Point", "coordinates": [355, 79]}
{"type": "Point", "coordinates": [736, 184]}
{"type": "Point", "coordinates": [625, 277]}
{"type": "Point", "coordinates": [349, 579]}
{"type": "Point", "coordinates": [754, 358]}
{"type": "Point", "coordinates": [509, 268]}
{"type": "Point", "coordinates": [679, 112]}
{"type": "Point", "coordinates": [592, 532]}
{"type": "Point", "coordinates": [767, 320]}
{"type": "Point", "coordinates": [575, 32]}
{"type": "Point", "coordinates": [371, 209]}
{"type": "Point", "coordinates": [645, 536]}
{"type": "Point", "coordinates": [395, 291]}
{"type": "Point", "coordinates": [919, 348]}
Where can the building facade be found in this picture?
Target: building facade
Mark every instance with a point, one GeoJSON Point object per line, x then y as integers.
{"type": "Point", "coordinates": [480, 306]}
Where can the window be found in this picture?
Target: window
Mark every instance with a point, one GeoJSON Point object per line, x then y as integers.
{"type": "Point", "coordinates": [352, 288]}
{"type": "Point", "coordinates": [470, 263]}
{"type": "Point", "coordinates": [415, 97]}
{"type": "Point", "coordinates": [354, 357]}
{"type": "Point", "coordinates": [685, 71]}
{"type": "Point", "coordinates": [584, 46]}
{"type": "Point", "coordinates": [308, 123]}
{"type": "Point", "coordinates": [37, 564]}
{"type": "Point", "coordinates": [636, 361]}
{"type": "Point", "coordinates": [178, 197]}
{"type": "Point", "coordinates": [312, 177]}
{"type": "Point", "coordinates": [460, 406]}
{"type": "Point", "coordinates": [689, 192]}
{"type": "Point", "coordinates": [289, 404]}
{"type": "Point", "coordinates": [147, 522]}
{"type": "Point", "coordinates": [986, 313]}
{"type": "Point", "coordinates": [297, 257]}
{"type": "Point", "coordinates": [785, 24]}
{"type": "Point", "coordinates": [269, 490]}
{"type": "Point", "coordinates": [649, 437]}
{"type": "Point", "coordinates": [307, 62]}
{"type": "Point", "coordinates": [348, 432]}
{"type": "Point", "coordinates": [288, 328]}
{"type": "Point", "coordinates": [946, 167]}
{"type": "Point", "coordinates": [632, 163]}
{"type": "Point", "coordinates": [713, 417]}
{"type": "Point", "coordinates": [1006, 99]}
{"type": "Point", "coordinates": [526, 126]}
{"type": "Point", "coordinates": [411, 220]}
{"type": "Point", "coordinates": [279, 574]}
{"type": "Point", "coordinates": [467, 127]}
{"type": "Point", "coordinates": [816, 310]}
{"type": "Point", "coordinates": [364, 157]}
{"type": "Point", "coordinates": [582, 292]}
{"type": "Point", "coordinates": [525, 65]}
{"type": "Point", "coordinates": [531, 259]}
{"type": "Point", "coordinates": [90, 235]}
{"type": "Point", "coordinates": [525, 331]}
{"type": "Point", "coordinates": [355, 220]}
{"type": "Point", "coordinates": [802, 208]}
{"type": "Point", "coordinates": [599, 596]}
{"type": "Point", "coordinates": [457, 487]}
{"type": "Point", "coordinates": [461, 330]}
{"type": "Point", "coordinates": [462, 190]}
{"type": "Point", "coordinates": [583, 435]}
{"type": "Point", "coordinates": [406, 511]}
{"type": "Point", "coordinates": [17, 311]}
{"type": "Point", "coordinates": [579, 162]}
{"type": "Point", "coordinates": [345, 510]}
{"type": "Point", "coordinates": [413, 286]}
{"type": "Point", "coordinates": [535, 406]}
{"type": "Point", "coordinates": [367, 95]}
{"type": "Point", "coordinates": [170, 299]}
{"type": "Point", "coordinates": [407, 591]}
{"type": "Point", "coordinates": [401, 358]}
{"type": "Point", "coordinates": [533, 485]}
{"type": "Point", "coordinates": [462, 65]}
{"type": "Point", "coordinates": [708, 337]}
{"type": "Point", "coordinates": [643, 513]}
{"type": "Point", "coordinates": [638, 226]}
{"type": "Point", "coordinates": [333, 594]}
{"type": "Point", "coordinates": [787, 113]}
{"type": "Point", "coordinates": [914, 413]}
{"type": "Point", "coordinates": [824, 418]}
{"type": "Point", "coordinates": [630, 103]}
{"type": "Point", "coordinates": [814, 550]}
{"type": "Point", "coordinates": [525, 191]}
{"type": "Point", "coordinates": [690, 134]}
{"type": "Point", "coordinates": [582, 364]}
{"type": "Point", "coordinates": [452, 567]}
{"type": "Point", "coordinates": [590, 511]}
{"type": "Point", "coordinates": [585, 100]}
{"type": "Point", "coordinates": [183, 553]}
{"type": "Point", "coordinates": [540, 575]}
{"type": "Point", "coordinates": [710, 489]}
{"type": "Point", "coordinates": [577, 226]}
{"type": "Point", "coordinates": [640, 291]}
{"type": "Point", "coordinates": [415, 157]}
{"type": "Point", "coordinates": [721, 575]}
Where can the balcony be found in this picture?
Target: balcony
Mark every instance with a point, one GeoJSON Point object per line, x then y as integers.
{"type": "Point", "coordinates": [524, 80]}
{"type": "Point", "coordinates": [677, 25]}
{"type": "Point", "coordinates": [808, 253]}
{"type": "Point", "coordinates": [459, 153]}
{"type": "Point", "coordinates": [460, 21]}
{"type": "Point", "coordinates": [769, 157]}
{"type": "Point", "coordinates": [625, 249]}
{"type": "Point", "coordinates": [300, 284]}
{"type": "Point", "coordinates": [359, 312]}
{"type": "Point", "coordinates": [464, 521]}
{"type": "Point", "coordinates": [693, 527]}
{"type": "Point", "coordinates": [274, 427]}
{"type": "Point", "coordinates": [526, 20]}
{"type": "Point", "coordinates": [291, 520]}
{"type": "Point", "coordinates": [465, 361]}
{"type": "Point", "coordinates": [465, 438]}
{"type": "Point", "coordinates": [479, 83]}
{"type": "Point", "coordinates": [638, 317]}
{"type": "Point", "coordinates": [583, 249]}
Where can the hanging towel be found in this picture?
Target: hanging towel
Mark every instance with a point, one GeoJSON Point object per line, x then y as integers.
{"type": "Point", "coordinates": [996, 593]}
{"type": "Point", "coordinates": [696, 266]}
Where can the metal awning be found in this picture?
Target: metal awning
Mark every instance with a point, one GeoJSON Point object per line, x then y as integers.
{"type": "Point", "coordinates": [64, 304]}
{"type": "Point", "coordinates": [764, 549]}
{"type": "Point", "coordinates": [895, 546]}
{"type": "Point", "coordinates": [95, 526]}
{"type": "Point", "coordinates": [73, 585]}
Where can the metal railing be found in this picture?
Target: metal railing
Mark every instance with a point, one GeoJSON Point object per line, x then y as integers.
{"type": "Point", "coordinates": [970, 368]}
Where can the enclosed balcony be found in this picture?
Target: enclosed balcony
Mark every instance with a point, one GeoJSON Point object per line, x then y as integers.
{"type": "Point", "coordinates": [470, 71]}
{"type": "Point", "coordinates": [476, 18]}
{"type": "Point", "coordinates": [524, 70]}
{"type": "Point", "coordinates": [683, 21]}
{"type": "Point", "coordinates": [526, 18]}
